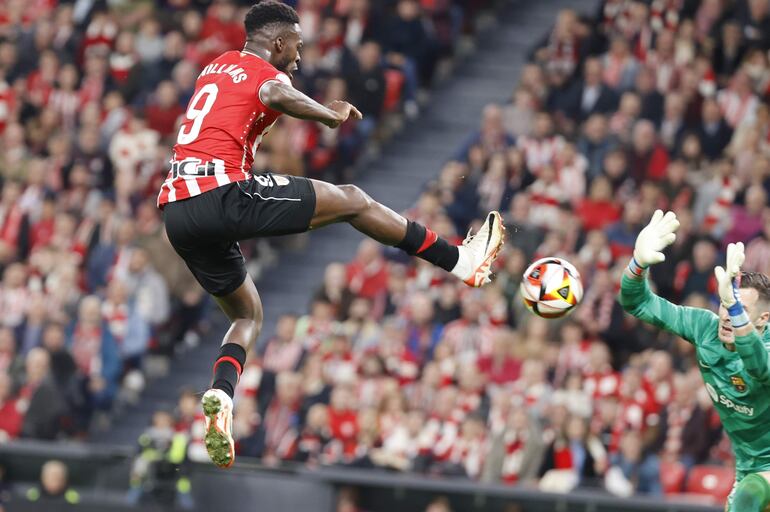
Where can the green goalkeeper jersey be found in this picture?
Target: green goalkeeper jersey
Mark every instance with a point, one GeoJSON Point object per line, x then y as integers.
{"type": "Point", "coordinates": [738, 382]}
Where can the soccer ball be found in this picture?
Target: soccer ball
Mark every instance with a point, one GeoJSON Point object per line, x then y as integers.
{"type": "Point", "coordinates": [551, 287]}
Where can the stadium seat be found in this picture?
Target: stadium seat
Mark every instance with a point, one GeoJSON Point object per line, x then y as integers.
{"type": "Point", "coordinates": [672, 476]}
{"type": "Point", "coordinates": [394, 82]}
{"type": "Point", "coordinates": [716, 481]}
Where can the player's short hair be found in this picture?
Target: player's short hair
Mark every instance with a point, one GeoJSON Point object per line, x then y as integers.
{"type": "Point", "coordinates": [759, 281]}
{"type": "Point", "coordinates": [269, 12]}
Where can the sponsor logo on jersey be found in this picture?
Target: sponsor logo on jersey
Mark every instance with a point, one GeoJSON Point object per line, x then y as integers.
{"type": "Point", "coordinates": [738, 383]}
{"type": "Point", "coordinates": [726, 402]}
{"type": "Point", "coordinates": [712, 392]}
{"type": "Point", "coordinates": [236, 72]}
{"type": "Point", "coordinates": [192, 167]}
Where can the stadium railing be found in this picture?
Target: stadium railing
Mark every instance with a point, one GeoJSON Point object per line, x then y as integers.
{"type": "Point", "coordinates": [101, 474]}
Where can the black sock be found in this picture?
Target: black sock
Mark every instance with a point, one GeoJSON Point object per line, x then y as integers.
{"type": "Point", "coordinates": [228, 367]}
{"type": "Point", "coordinates": [424, 243]}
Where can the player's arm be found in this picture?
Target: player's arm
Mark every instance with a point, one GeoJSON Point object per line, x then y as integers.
{"type": "Point", "coordinates": [284, 98]}
{"type": "Point", "coordinates": [748, 343]}
{"type": "Point", "coordinates": [635, 294]}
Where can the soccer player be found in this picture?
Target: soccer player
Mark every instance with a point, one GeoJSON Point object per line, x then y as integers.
{"type": "Point", "coordinates": [211, 200]}
{"type": "Point", "coordinates": [731, 347]}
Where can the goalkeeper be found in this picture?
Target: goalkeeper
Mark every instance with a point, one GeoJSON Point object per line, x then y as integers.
{"type": "Point", "coordinates": [731, 348]}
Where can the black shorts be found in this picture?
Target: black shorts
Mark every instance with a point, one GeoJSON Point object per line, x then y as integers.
{"type": "Point", "coordinates": [205, 229]}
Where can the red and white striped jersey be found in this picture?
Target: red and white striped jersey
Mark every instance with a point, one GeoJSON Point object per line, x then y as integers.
{"type": "Point", "coordinates": [223, 126]}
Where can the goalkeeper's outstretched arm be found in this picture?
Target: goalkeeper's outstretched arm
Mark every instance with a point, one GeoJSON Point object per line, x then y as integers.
{"type": "Point", "coordinates": [635, 294]}
{"type": "Point", "coordinates": [749, 346]}
{"type": "Point", "coordinates": [748, 342]}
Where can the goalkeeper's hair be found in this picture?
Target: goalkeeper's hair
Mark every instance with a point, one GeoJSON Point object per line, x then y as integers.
{"type": "Point", "coordinates": [759, 281]}
{"type": "Point", "coordinates": [269, 12]}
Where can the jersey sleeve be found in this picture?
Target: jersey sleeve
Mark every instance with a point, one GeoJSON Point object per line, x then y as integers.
{"type": "Point", "coordinates": [754, 355]}
{"type": "Point", "coordinates": [270, 77]}
{"type": "Point", "coordinates": [685, 322]}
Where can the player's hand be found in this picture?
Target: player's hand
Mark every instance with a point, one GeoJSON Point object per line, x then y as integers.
{"type": "Point", "coordinates": [344, 111]}
{"type": "Point", "coordinates": [656, 236]}
{"type": "Point", "coordinates": [727, 278]}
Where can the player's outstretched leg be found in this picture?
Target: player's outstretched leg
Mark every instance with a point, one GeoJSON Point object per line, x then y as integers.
{"type": "Point", "coordinates": [244, 309]}
{"type": "Point", "coordinates": [471, 262]}
{"type": "Point", "coordinates": [751, 495]}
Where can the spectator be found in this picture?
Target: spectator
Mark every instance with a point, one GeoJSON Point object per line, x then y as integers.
{"type": "Point", "coordinates": [598, 210]}
{"type": "Point", "coordinates": [620, 66]}
{"type": "Point", "coordinates": [366, 274]}
{"type": "Point", "coordinates": [595, 143]}
{"type": "Point", "coordinates": [651, 100]}
{"type": "Point", "coordinates": [519, 116]}
{"type": "Point", "coordinates": [662, 61]}
{"type": "Point", "coordinates": [672, 127]}
{"type": "Point", "coordinates": [277, 432]}
{"type": "Point", "coordinates": [678, 195]}
{"type": "Point", "coordinates": [697, 276]}
{"type": "Point", "coordinates": [14, 223]}
{"type": "Point", "coordinates": [713, 132]}
{"type": "Point", "coordinates": [622, 122]}
{"type": "Point", "coordinates": [755, 18]}
{"type": "Point", "coordinates": [622, 234]}
{"type": "Point", "coordinates": [53, 488]}
{"type": "Point", "coordinates": [157, 474]}
{"type": "Point", "coordinates": [366, 85]}
{"type": "Point", "coordinates": [334, 289]}
{"type": "Point", "coordinates": [632, 471]}
{"type": "Point", "coordinates": [408, 48]}
{"type": "Point", "coordinates": [162, 113]}
{"type": "Point", "coordinates": [561, 51]}
{"type": "Point", "coordinates": [314, 435]}
{"type": "Point", "coordinates": [96, 354]}
{"type": "Point", "coordinates": [647, 156]}
{"type": "Point", "coordinates": [347, 500]}
{"type": "Point", "coordinates": [500, 367]}
{"type": "Point", "coordinates": [738, 102]}
{"type": "Point", "coordinates": [757, 255]}
{"type": "Point", "coordinates": [11, 418]}
{"type": "Point", "coordinates": [543, 146]}
{"type": "Point", "coordinates": [147, 287]}
{"type": "Point", "coordinates": [590, 95]}
{"type": "Point", "coordinates": [729, 53]}
{"type": "Point", "coordinates": [40, 401]}
{"type": "Point", "coordinates": [63, 367]}
{"type": "Point", "coordinates": [516, 453]}
{"type": "Point", "coordinates": [576, 452]}
{"type": "Point", "coordinates": [283, 351]}
{"type": "Point", "coordinates": [440, 504]}
{"type": "Point", "coordinates": [747, 220]}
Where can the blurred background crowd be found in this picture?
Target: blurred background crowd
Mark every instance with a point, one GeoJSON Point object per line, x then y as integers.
{"type": "Point", "coordinates": [648, 104]}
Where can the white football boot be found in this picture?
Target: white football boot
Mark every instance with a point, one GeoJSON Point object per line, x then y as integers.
{"type": "Point", "coordinates": [478, 252]}
{"type": "Point", "coordinates": [218, 408]}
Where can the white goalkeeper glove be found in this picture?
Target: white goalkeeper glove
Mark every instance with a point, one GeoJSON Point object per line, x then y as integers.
{"type": "Point", "coordinates": [726, 277]}
{"type": "Point", "coordinates": [728, 280]}
{"type": "Point", "coordinates": [656, 236]}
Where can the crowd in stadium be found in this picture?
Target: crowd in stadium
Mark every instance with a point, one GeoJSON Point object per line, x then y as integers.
{"type": "Point", "coordinates": [650, 104]}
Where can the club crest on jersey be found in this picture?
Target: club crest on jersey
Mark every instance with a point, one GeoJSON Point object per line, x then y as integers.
{"type": "Point", "coordinates": [738, 383]}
